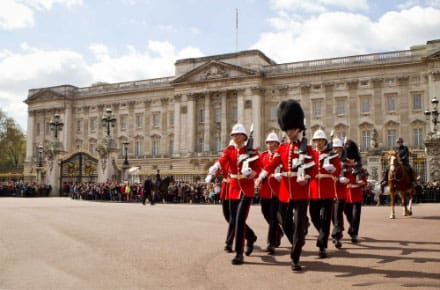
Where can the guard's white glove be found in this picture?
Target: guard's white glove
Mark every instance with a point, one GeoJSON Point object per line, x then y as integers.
{"type": "Point", "coordinates": [208, 178]}
{"type": "Point", "coordinates": [330, 168]}
{"type": "Point", "coordinates": [213, 169]}
{"type": "Point", "coordinates": [343, 180]}
{"type": "Point", "coordinates": [247, 172]}
{"type": "Point", "coordinates": [277, 176]}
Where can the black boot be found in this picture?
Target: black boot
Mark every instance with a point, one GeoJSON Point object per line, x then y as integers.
{"type": "Point", "coordinates": [238, 259]}
{"type": "Point", "coordinates": [250, 246]}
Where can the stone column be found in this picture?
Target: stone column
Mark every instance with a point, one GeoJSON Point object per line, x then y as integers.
{"type": "Point", "coordinates": [240, 107]}
{"type": "Point", "coordinates": [256, 115]}
{"type": "Point", "coordinates": [176, 149]}
{"type": "Point", "coordinates": [207, 125]}
{"type": "Point", "coordinates": [190, 120]}
{"type": "Point", "coordinates": [69, 127]}
{"type": "Point", "coordinates": [30, 136]}
{"type": "Point", "coordinates": [224, 134]}
{"type": "Point", "coordinates": [353, 108]}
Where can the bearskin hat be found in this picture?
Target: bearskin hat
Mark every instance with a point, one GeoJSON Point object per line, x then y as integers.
{"type": "Point", "coordinates": [352, 150]}
{"type": "Point", "coordinates": [290, 115]}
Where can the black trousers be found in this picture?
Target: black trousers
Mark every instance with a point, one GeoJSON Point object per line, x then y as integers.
{"type": "Point", "coordinates": [269, 208]}
{"type": "Point", "coordinates": [238, 229]}
{"type": "Point", "coordinates": [321, 214]}
{"type": "Point", "coordinates": [293, 217]}
{"type": "Point", "coordinates": [225, 209]}
{"type": "Point", "coordinates": [338, 219]}
{"type": "Point", "coordinates": [353, 213]}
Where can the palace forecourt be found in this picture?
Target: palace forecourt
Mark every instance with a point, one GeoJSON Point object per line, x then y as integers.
{"type": "Point", "coordinates": [59, 243]}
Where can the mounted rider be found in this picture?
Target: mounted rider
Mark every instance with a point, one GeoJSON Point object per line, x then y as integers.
{"type": "Point", "coordinates": [403, 153]}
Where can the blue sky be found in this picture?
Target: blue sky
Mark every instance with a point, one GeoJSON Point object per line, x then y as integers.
{"type": "Point", "coordinates": [79, 42]}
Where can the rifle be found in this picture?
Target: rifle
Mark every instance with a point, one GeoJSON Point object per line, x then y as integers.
{"type": "Point", "coordinates": [249, 146]}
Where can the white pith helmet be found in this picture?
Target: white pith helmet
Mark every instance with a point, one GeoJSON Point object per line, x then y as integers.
{"type": "Point", "coordinates": [337, 143]}
{"type": "Point", "coordinates": [319, 134]}
{"type": "Point", "coordinates": [272, 137]}
{"type": "Point", "coordinates": [239, 129]}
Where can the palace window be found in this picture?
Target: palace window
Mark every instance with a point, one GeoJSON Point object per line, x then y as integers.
{"type": "Point", "coordinates": [234, 113]}
{"type": "Point", "coordinates": [171, 146]}
{"type": "Point", "coordinates": [273, 113]}
{"type": "Point", "coordinates": [171, 119]}
{"type": "Point", "coordinates": [155, 149]}
{"type": "Point", "coordinates": [201, 116]}
{"type": "Point", "coordinates": [365, 105]}
{"type": "Point", "coordinates": [418, 136]}
{"type": "Point", "coordinates": [139, 120]}
{"type": "Point", "coordinates": [218, 115]}
{"type": "Point", "coordinates": [417, 102]}
{"type": "Point", "coordinates": [38, 129]}
{"type": "Point", "coordinates": [391, 104]}
{"type": "Point", "coordinates": [366, 139]}
{"type": "Point", "coordinates": [218, 143]}
{"type": "Point", "coordinates": [78, 126]}
{"type": "Point", "coordinates": [316, 108]}
{"type": "Point", "coordinates": [391, 137]}
{"type": "Point", "coordinates": [138, 148]}
{"type": "Point", "coordinates": [340, 107]}
{"type": "Point", "coordinates": [92, 148]}
{"type": "Point", "coordinates": [200, 142]}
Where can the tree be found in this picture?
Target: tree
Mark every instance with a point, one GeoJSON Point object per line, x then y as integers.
{"type": "Point", "coordinates": [12, 143]}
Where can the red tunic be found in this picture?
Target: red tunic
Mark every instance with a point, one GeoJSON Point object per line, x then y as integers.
{"type": "Point", "coordinates": [354, 190]}
{"type": "Point", "coordinates": [323, 182]}
{"type": "Point", "coordinates": [289, 188]}
{"type": "Point", "coordinates": [270, 186]}
{"type": "Point", "coordinates": [237, 182]}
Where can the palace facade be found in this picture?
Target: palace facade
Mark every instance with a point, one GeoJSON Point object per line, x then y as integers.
{"type": "Point", "coordinates": [180, 124]}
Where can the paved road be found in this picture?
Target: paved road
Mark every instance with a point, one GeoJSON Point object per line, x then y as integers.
{"type": "Point", "coordinates": [59, 243]}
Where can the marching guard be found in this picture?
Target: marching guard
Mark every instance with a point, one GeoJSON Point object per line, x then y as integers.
{"type": "Point", "coordinates": [243, 165]}
{"type": "Point", "coordinates": [298, 166]}
{"type": "Point", "coordinates": [269, 195]}
{"type": "Point", "coordinates": [323, 189]}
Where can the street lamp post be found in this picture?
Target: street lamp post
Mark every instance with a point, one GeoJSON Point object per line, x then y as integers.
{"type": "Point", "coordinates": [108, 120]}
{"type": "Point", "coordinates": [56, 124]}
{"type": "Point", "coordinates": [433, 114]}
{"type": "Point", "coordinates": [125, 153]}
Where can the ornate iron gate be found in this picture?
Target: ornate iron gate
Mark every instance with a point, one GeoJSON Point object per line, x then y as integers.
{"type": "Point", "coordinates": [80, 167]}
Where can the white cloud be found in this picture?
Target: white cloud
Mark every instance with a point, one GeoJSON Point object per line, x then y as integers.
{"type": "Point", "coordinates": [333, 34]}
{"type": "Point", "coordinates": [32, 67]}
{"type": "Point", "coordinates": [318, 6]}
{"type": "Point", "coordinates": [14, 15]}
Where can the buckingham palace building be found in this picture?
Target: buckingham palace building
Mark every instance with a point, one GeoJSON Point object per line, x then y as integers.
{"type": "Point", "coordinates": [180, 124]}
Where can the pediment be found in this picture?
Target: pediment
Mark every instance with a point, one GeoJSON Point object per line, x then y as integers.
{"type": "Point", "coordinates": [44, 95]}
{"type": "Point", "coordinates": [215, 70]}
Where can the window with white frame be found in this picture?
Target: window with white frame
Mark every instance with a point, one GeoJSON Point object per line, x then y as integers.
{"type": "Point", "coordinates": [138, 148]}
{"type": "Point", "coordinates": [171, 146]}
{"type": "Point", "coordinates": [155, 149]}
{"type": "Point", "coordinates": [366, 139]}
{"type": "Point", "coordinates": [418, 136]}
{"type": "Point", "coordinates": [139, 120]}
{"type": "Point", "coordinates": [391, 137]}
{"type": "Point", "coordinates": [317, 108]}
{"type": "Point", "coordinates": [417, 102]}
{"type": "Point", "coordinates": [340, 107]}
{"type": "Point", "coordinates": [391, 104]}
{"type": "Point", "coordinates": [365, 105]}
{"type": "Point", "coordinates": [341, 135]}
{"type": "Point", "coordinates": [156, 120]}
{"type": "Point", "coordinates": [92, 148]}
{"type": "Point", "coordinates": [123, 122]}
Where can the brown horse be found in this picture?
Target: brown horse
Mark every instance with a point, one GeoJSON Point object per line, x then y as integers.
{"type": "Point", "coordinates": [399, 181]}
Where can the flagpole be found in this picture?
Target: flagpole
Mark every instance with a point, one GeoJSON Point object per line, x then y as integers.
{"type": "Point", "coordinates": [236, 29]}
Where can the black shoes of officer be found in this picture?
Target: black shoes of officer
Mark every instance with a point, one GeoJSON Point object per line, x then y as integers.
{"type": "Point", "coordinates": [270, 250]}
{"type": "Point", "coordinates": [337, 243]}
{"type": "Point", "coordinates": [250, 246]}
{"type": "Point", "coordinates": [228, 248]}
{"type": "Point", "coordinates": [354, 239]}
{"type": "Point", "coordinates": [238, 259]}
{"type": "Point", "coordinates": [296, 266]}
{"type": "Point", "coordinates": [323, 253]}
